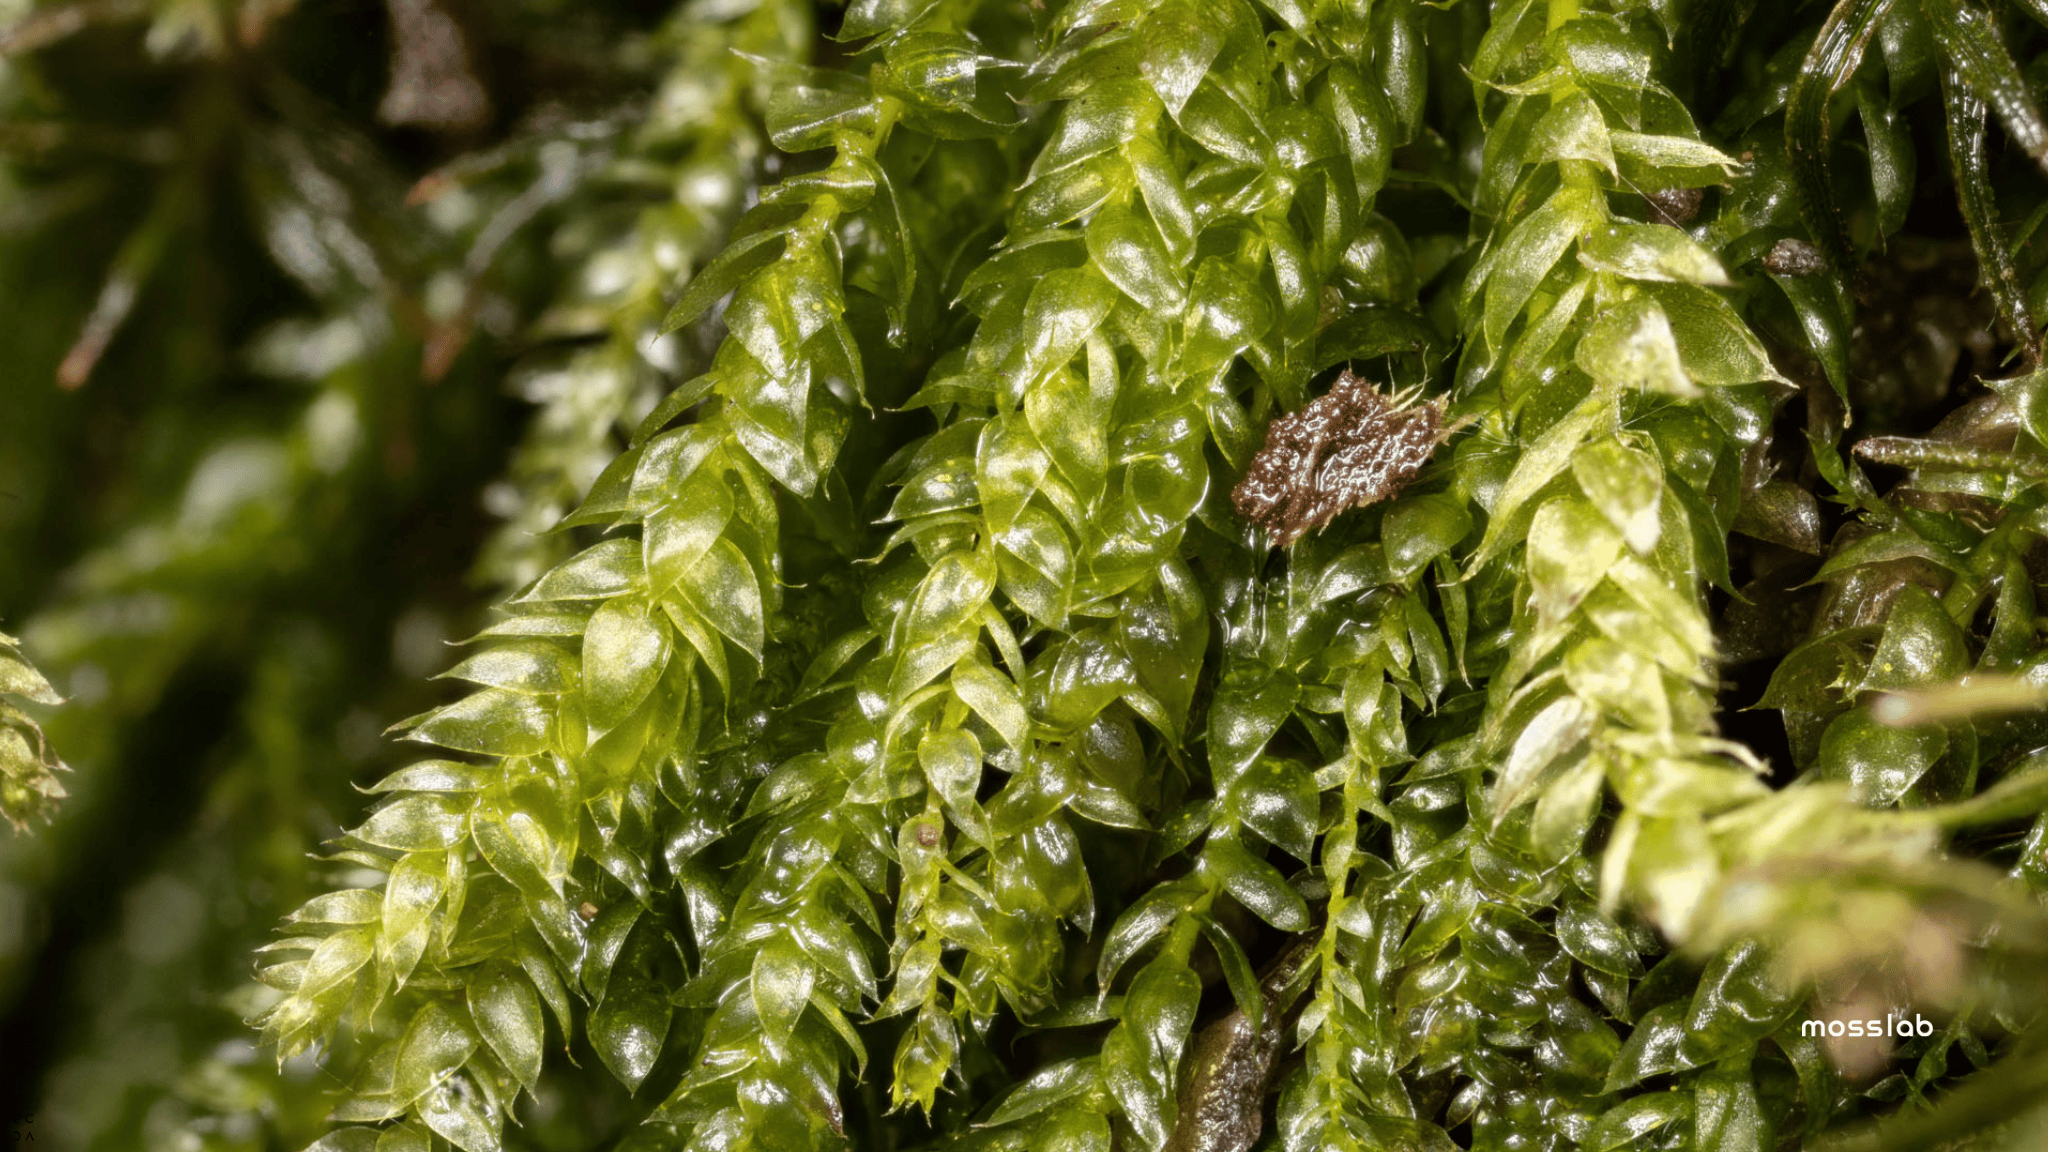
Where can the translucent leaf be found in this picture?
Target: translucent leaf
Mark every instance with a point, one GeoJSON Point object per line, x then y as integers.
{"type": "Point", "coordinates": [1255, 884]}
{"type": "Point", "coordinates": [533, 666]}
{"type": "Point", "coordinates": [781, 987]}
{"type": "Point", "coordinates": [436, 1044]}
{"type": "Point", "coordinates": [1596, 941]}
{"type": "Point", "coordinates": [1176, 45]}
{"type": "Point", "coordinates": [624, 651]}
{"type": "Point", "coordinates": [721, 589]}
{"type": "Point", "coordinates": [417, 823]}
{"type": "Point", "coordinates": [1551, 733]}
{"type": "Point", "coordinates": [1418, 529]}
{"type": "Point", "coordinates": [599, 572]}
{"type": "Point", "coordinates": [492, 721]}
{"type": "Point", "coordinates": [1633, 347]}
{"type": "Point", "coordinates": [1278, 800]}
{"type": "Point", "coordinates": [1652, 1049]}
{"type": "Point", "coordinates": [507, 1012]}
{"type": "Point", "coordinates": [1623, 1124]}
{"type": "Point", "coordinates": [1920, 644]}
{"type": "Point", "coordinates": [1880, 763]}
{"type": "Point", "coordinates": [1571, 548]}
{"type": "Point", "coordinates": [1529, 252]}
{"type": "Point", "coordinates": [1626, 485]}
{"type": "Point", "coordinates": [1650, 252]}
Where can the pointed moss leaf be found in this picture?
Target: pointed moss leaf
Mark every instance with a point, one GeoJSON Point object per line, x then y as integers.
{"type": "Point", "coordinates": [1050, 1085]}
{"type": "Point", "coordinates": [1177, 43]}
{"type": "Point", "coordinates": [1541, 461]}
{"type": "Point", "coordinates": [1565, 809]}
{"type": "Point", "coordinates": [1063, 309]}
{"type": "Point", "coordinates": [1879, 762]}
{"type": "Point", "coordinates": [348, 906]}
{"type": "Point", "coordinates": [1651, 252]}
{"type": "Point", "coordinates": [456, 1113]}
{"type": "Point", "coordinates": [1676, 152]}
{"type": "Point", "coordinates": [19, 678]}
{"type": "Point", "coordinates": [1652, 1049]}
{"type": "Point", "coordinates": [1821, 317]}
{"type": "Point", "coordinates": [596, 573]}
{"type": "Point", "coordinates": [1064, 418]}
{"type": "Point", "coordinates": [1530, 251]}
{"type": "Point", "coordinates": [1250, 706]}
{"type": "Point", "coordinates": [1551, 733]}
{"type": "Point", "coordinates": [1159, 1011]}
{"type": "Point", "coordinates": [533, 667]}
{"type": "Point", "coordinates": [1728, 1115]}
{"type": "Point", "coordinates": [678, 535]}
{"type": "Point", "coordinates": [1256, 884]}
{"type": "Point", "coordinates": [508, 1015]}
{"type": "Point", "coordinates": [492, 721]}
{"type": "Point", "coordinates": [436, 1044]}
{"type": "Point", "coordinates": [1237, 971]}
{"type": "Point", "coordinates": [1278, 799]}
{"type": "Point", "coordinates": [1632, 346]}
{"type": "Point", "coordinates": [1717, 346]}
{"type": "Point", "coordinates": [1626, 485]}
{"type": "Point", "coordinates": [781, 987]}
{"type": "Point", "coordinates": [418, 823]}
{"type": "Point", "coordinates": [1630, 1121]}
{"type": "Point", "coordinates": [1164, 629]}
{"type": "Point", "coordinates": [733, 266]}
{"type": "Point", "coordinates": [1418, 529]}
{"type": "Point", "coordinates": [625, 649]}
{"type": "Point", "coordinates": [1739, 1001]}
{"type": "Point", "coordinates": [1572, 129]}
{"type": "Point", "coordinates": [721, 588]}
{"type": "Point", "coordinates": [1141, 923]}
{"type": "Point", "coordinates": [995, 699]}
{"type": "Point", "coordinates": [1226, 312]}
{"type": "Point", "coordinates": [1446, 909]}
{"type": "Point", "coordinates": [1596, 941]}
{"type": "Point", "coordinates": [1128, 249]}
{"type": "Point", "coordinates": [951, 594]}
{"type": "Point", "coordinates": [356, 1139]}
{"type": "Point", "coordinates": [1571, 548]}
{"type": "Point", "coordinates": [627, 1028]}
{"type": "Point", "coordinates": [1921, 645]}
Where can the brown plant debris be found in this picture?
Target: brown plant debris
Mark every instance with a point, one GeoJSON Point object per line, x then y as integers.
{"type": "Point", "coordinates": [1345, 449]}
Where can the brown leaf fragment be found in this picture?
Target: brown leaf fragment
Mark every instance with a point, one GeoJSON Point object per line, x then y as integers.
{"type": "Point", "coordinates": [1344, 449]}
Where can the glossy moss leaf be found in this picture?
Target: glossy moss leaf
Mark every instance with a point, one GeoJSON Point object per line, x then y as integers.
{"type": "Point", "coordinates": [1969, 36]}
{"type": "Point", "coordinates": [534, 667]}
{"type": "Point", "coordinates": [1551, 733]}
{"type": "Point", "coordinates": [1739, 1001]}
{"type": "Point", "coordinates": [1571, 129]}
{"type": "Point", "coordinates": [1596, 941]}
{"type": "Point", "coordinates": [1130, 252]}
{"type": "Point", "coordinates": [436, 1043]}
{"type": "Point", "coordinates": [1879, 762]}
{"type": "Point", "coordinates": [1652, 1049]}
{"type": "Point", "coordinates": [508, 1016]}
{"type": "Point", "coordinates": [1278, 800]}
{"type": "Point", "coordinates": [1418, 529]}
{"type": "Point", "coordinates": [1141, 923]}
{"type": "Point", "coordinates": [1920, 645]}
{"type": "Point", "coordinates": [732, 267]}
{"type": "Point", "coordinates": [628, 1025]}
{"type": "Point", "coordinates": [1529, 252]}
{"type": "Point", "coordinates": [781, 987]}
{"type": "Point", "coordinates": [1565, 809]}
{"type": "Point", "coordinates": [1255, 884]}
{"type": "Point", "coordinates": [1650, 252]}
{"type": "Point", "coordinates": [597, 573]}
{"type": "Point", "coordinates": [452, 1110]}
{"type": "Point", "coordinates": [1250, 706]}
{"type": "Point", "coordinates": [995, 699]}
{"type": "Point", "coordinates": [1571, 548]}
{"type": "Point", "coordinates": [1622, 1125]}
{"type": "Point", "coordinates": [721, 588]}
{"type": "Point", "coordinates": [1063, 309]}
{"type": "Point", "coordinates": [625, 649]}
{"type": "Point", "coordinates": [1633, 347]}
{"type": "Point", "coordinates": [1139, 1057]}
{"type": "Point", "coordinates": [1717, 346]}
{"type": "Point", "coordinates": [1045, 1088]}
{"type": "Point", "coordinates": [419, 823]}
{"type": "Point", "coordinates": [1626, 485]}
{"type": "Point", "coordinates": [678, 536]}
{"type": "Point", "coordinates": [1539, 463]}
{"type": "Point", "coordinates": [1226, 312]}
{"type": "Point", "coordinates": [493, 721]}
{"type": "Point", "coordinates": [1177, 44]}
{"type": "Point", "coordinates": [1827, 329]}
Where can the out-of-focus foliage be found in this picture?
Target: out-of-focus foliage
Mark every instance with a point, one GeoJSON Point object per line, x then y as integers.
{"type": "Point", "coordinates": [886, 731]}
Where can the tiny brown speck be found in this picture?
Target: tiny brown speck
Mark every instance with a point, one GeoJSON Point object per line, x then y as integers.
{"type": "Point", "coordinates": [928, 834]}
{"type": "Point", "coordinates": [1789, 257]}
{"type": "Point", "coordinates": [1673, 206]}
{"type": "Point", "coordinates": [1344, 449]}
{"type": "Point", "coordinates": [587, 910]}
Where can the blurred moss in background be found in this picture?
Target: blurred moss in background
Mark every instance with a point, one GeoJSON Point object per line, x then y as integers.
{"type": "Point", "coordinates": [287, 284]}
